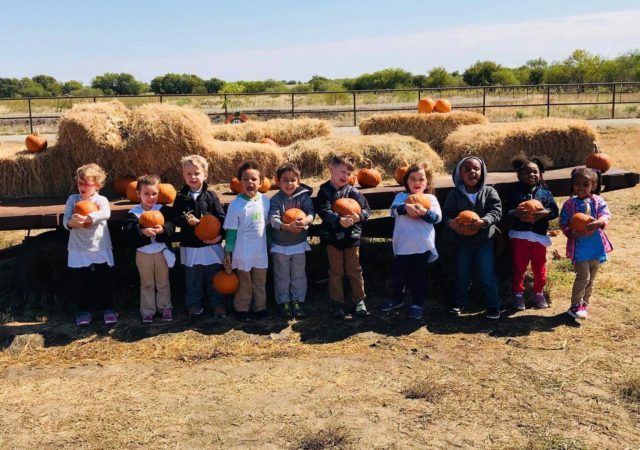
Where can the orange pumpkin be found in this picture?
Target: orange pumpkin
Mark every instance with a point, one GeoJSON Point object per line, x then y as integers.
{"type": "Point", "coordinates": [166, 193]}
{"type": "Point", "coordinates": [419, 198]}
{"type": "Point", "coordinates": [346, 207]}
{"type": "Point", "coordinates": [85, 207]}
{"type": "Point", "coordinates": [266, 140]}
{"type": "Point", "coordinates": [426, 105]}
{"type": "Point", "coordinates": [368, 177]}
{"type": "Point", "coordinates": [531, 206]}
{"type": "Point", "coordinates": [132, 192]}
{"type": "Point", "coordinates": [35, 143]}
{"type": "Point", "coordinates": [225, 283]}
{"type": "Point", "coordinates": [579, 221]}
{"type": "Point", "coordinates": [352, 179]}
{"type": "Point", "coordinates": [150, 219]}
{"type": "Point", "coordinates": [466, 217]}
{"type": "Point", "coordinates": [442, 106]}
{"type": "Point", "coordinates": [208, 228]}
{"type": "Point", "coordinates": [598, 160]}
{"type": "Point", "coordinates": [400, 172]}
{"type": "Point", "coordinates": [120, 185]}
{"type": "Point", "coordinates": [265, 186]}
{"type": "Point", "coordinates": [235, 185]}
{"type": "Point", "coordinates": [293, 214]}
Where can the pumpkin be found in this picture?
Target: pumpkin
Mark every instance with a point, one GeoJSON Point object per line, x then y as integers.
{"type": "Point", "coordinates": [265, 186]}
{"type": "Point", "coordinates": [208, 228]}
{"type": "Point", "coordinates": [35, 143]}
{"type": "Point", "coordinates": [352, 180]}
{"type": "Point", "coordinates": [442, 106]}
{"type": "Point", "coordinates": [400, 172]}
{"type": "Point", "coordinates": [293, 214]}
{"type": "Point", "coordinates": [166, 193]}
{"type": "Point", "coordinates": [150, 219]}
{"type": "Point", "coordinates": [419, 198]}
{"type": "Point", "coordinates": [346, 207]}
{"type": "Point", "coordinates": [426, 105]}
{"type": "Point", "coordinates": [598, 160]}
{"type": "Point", "coordinates": [369, 177]}
{"type": "Point", "coordinates": [579, 221]}
{"type": "Point", "coordinates": [120, 185]}
{"type": "Point", "coordinates": [531, 206]}
{"type": "Point", "coordinates": [225, 283]}
{"type": "Point", "coordinates": [266, 140]}
{"type": "Point", "coordinates": [132, 192]}
{"type": "Point", "coordinates": [84, 208]}
{"type": "Point", "coordinates": [235, 185]}
{"type": "Point", "coordinates": [465, 218]}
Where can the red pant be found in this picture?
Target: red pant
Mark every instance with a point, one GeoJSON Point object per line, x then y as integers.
{"type": "Point", "coordinates": [524, 251]}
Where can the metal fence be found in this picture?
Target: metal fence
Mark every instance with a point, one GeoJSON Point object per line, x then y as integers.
{"type": "Point", "coordinates": [356, 104]}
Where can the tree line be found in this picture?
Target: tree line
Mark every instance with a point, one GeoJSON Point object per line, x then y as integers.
{"type": "Point", "coordinates": [580, 67]}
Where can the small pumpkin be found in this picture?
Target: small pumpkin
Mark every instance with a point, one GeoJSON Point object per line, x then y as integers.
{"type": "Point", "coordinates": [426, 105]}
{"type": "Point", "coordinates": [419, 198]}
{"type": "Point", "coordinates": [442, 106]}
{"type": "Point", "coordinates": [579, 222]}
{"type": "Point", "coordinates": [84, 208]}
{"type": "Point", "coordinates": [225, 283]}
{"type": "Point", "coordinates": [531, 206]}
{"type": "Point", "coordinates": [368, 177]}
{"type": "Point", "coordinates": [266, 140]}
{"type": "Point", "coordinates": [466, 217]}
{"type": "Point", "coordinates": [35, 143]}
{"type": "Point", "coordinates": [235, 185]}
{"type": "Point", "coordinates": [293, 214]}
{"type": "Point", "coordinates": [166, 193]}
{"type": "Point", "coordinates": [265, 186]}
{"type": "Point", "coordinates": [352, 180]}
{"type": "Point", "coordinates": [346, 207]}
{"type": "Point", "coordinates": [150, 219]}
{"type": "Point", "coordinates": [598, 160]}
{"type": "Point", "coordinates": [132, 192]}
{"type": "Point", "coordinates": [120, 185]}
{"type": "Point", "coordinates": [208, 228]}
{"type": "Point", "coordinates": [400, 172]}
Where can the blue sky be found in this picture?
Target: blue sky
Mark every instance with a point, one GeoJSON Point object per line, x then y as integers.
{"type": "Point", "coordinates": [252, 40]}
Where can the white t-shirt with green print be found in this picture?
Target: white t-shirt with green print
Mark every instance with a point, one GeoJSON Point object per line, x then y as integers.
{"type": "Point", "coordinates": [249, 217]}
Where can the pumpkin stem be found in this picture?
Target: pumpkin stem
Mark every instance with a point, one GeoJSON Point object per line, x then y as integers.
{"type": "Point", "coordinates": [368, 164]}
{"type": "Point", "coordinates": [596, 149]}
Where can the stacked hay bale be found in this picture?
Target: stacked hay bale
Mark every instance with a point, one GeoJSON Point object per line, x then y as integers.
{"type": "Point", "coordinates": [565, 142]}
{"type": "Point", "coordinates": [283, 131]}
{"type": "Point", "coordinates": [430, 128]}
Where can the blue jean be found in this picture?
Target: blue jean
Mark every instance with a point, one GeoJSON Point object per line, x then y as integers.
{"type": "Point", "coordinates": [411, 271]}
{"type": "Point", "coordinates": [478, 258]}
{"type": "Point", "coordinates": [198, 280]}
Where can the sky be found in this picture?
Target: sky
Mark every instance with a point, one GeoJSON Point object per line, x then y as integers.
{"type": "Point", "coordinates": [294, 40]}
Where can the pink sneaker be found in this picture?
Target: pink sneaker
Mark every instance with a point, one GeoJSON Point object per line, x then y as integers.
{"type": "Point", "coordinates": [167, 315]}
{"type": "Point", "coordinates": [540, 301]}
{"type": "Point", "coordinates": [110, 317]}
{"type": "Point", "coordinates": [147, 318]}
{"type": "Point", "coordinates": [579, 311]}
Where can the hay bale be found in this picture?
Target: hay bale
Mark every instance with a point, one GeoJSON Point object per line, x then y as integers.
{"type": "Point", "coordinates": [385, 151]}
{"type": "Point", "coordinates": [25, 343]}
{"type": "Point", "coordinates": [430, 128]}
{"type": "Point", "coordinates": [566, 142]}
{"type": "Point", "coordinates": [282, 131]}
{"type": "Point", "coordinates": [227, 156]}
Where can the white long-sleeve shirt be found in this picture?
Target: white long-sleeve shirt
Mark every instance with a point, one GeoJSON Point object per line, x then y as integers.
{"type": "Point", "coordinates": [92, 244]}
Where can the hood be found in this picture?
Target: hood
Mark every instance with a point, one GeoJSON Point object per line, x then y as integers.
{"type": "Point", "coordinates": [457, 179]}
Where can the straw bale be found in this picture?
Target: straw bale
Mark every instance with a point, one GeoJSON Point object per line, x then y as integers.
{"type": "Point", "coordinates": [430, 128]}
{"type": "Point", "coordinates": [283, 131]}
{"type": "Point", "coordinates": [566, 142]}
{"type": "Point", "coordinates": [385, 151]}
{"type": "Point", "coordinates": [227, 156]}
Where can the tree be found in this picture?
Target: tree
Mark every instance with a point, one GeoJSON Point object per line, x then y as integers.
{"type": "Point", "coordinates": [419, 81]}
{"type": "Point", "coordinates": [174, 83]}
{"type": "Point", "coordinates": [537, 70]}
{"type": "Point", "coordinates": [72, 85]}
{"type": "Point", "coordinates": [117, 84]}
{"type": "Point", "coordinates": [481, 73]}
{"type": "Point", "coordinates": [29, 88]}
{"type": "Point", "coordinates": [439, 77]}
{"type": "Point", "coordinates": [318, 83]}
{"type": "Point", "coordinates": [213, 85]}
{"type": "Point", "coordinates": [392, 78]}
{"type": "Point", "coordinates": [9, 87]}
{"type": "Point", "coordinates": [504, 76]}
{"type": "Point", "coordinates": [50, 84]}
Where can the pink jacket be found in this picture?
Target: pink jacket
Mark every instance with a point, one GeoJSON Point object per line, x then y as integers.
{"type": "Point", "coordinates": [599, 210]}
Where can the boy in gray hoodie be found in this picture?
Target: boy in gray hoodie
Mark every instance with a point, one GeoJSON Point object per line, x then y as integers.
{"type": "Point", "coordinates": [473, 241]}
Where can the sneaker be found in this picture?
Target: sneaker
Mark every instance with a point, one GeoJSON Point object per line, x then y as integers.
{"type": "Point", "coordinates": [493, 313]}
{"type": "Point", "coordinates": [83, 319]}
{"type": "Point", "coordinates": [195, 311]}
{"type": "Point", "coordinates": [361, 309]}
{"type": "Point", "coordinates": [285, 311]}
{"type": "Point", "coordinates": [167, 315]}
{"type": "Point", "coordinates": [243, 316]}
{"type": "Point", "coordinates": [579, 311]}
{"type": "Point", "coordinates": [456, 310]}
{"type": "Point", "coordinates": [110, 317]}
{"type": "Point", "coordinates": [261, 315]}
{"type": "Point", "coordinates": [390, 306]}
{"type": "Point", "coordinates": [219, 312]}
{"type": "Point", "coordinates": [146, 318]}
{"type": "Point", "coordinates": [518, 301]}
{"type": "Point", "coordinates": [297, 309]}
{"type": "Point", "coordinates": [337, 312]}
{"type": "Point", "coordinates": [540, 301]}
{"type": "Point", "coordinates": [415, 312]}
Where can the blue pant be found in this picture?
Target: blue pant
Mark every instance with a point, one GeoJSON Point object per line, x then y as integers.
{"type": "Point", "coordinates": [198, 279]}
{"type": "Point", "coordinates": [478, 258]}
{"type": "Point", "coordinates": [410, 271]}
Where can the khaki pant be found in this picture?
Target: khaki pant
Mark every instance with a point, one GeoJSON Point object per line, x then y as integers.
{"type": "Point", "coordinates": [154, 275]}
{"type": "Point", "coordinates": [252, 286]}
{"type": "Point", "coordinates": [341, 261]}
{"type": "Point", "coordinates": [583, 285]}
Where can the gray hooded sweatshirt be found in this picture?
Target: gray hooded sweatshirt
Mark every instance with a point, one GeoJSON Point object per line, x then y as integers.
{"type": "Point", "coordinates": [279, 203]}
{"type": "Point", "coordinates": [487, 205]}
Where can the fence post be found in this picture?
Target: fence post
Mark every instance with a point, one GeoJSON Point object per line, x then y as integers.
{"type": "Point", "coordinates": [613, 102]}
{"type": "Point", "coordinates": [419, 92]}
{"type": "Point", "coordinates": [94, 100]}
{"type": "Point", "coordinates": [226, 111]}
{"type": "Point", "coordinates": [484, 101]}
{"type": "Point", "coordinates": [160, 98]}
{"type": "Point", "coordinates": [292, 106]}
{"type": "Point", "coordinates": [30, 117]}
{"type": "Point", "coordinates": [355, 124]}
{"type": "Point", "coordinates": [548, 100]}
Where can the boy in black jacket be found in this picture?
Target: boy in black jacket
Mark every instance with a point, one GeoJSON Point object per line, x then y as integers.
{"type": "Point", "coordinates": [341, 235]}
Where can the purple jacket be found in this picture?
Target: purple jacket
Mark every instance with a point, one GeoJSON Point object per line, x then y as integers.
{"type": "Point", "coordinates": [599, 210]}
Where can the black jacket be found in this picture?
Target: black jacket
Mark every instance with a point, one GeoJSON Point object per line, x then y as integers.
{"type": "Point", "coordinates": [331, 232]}
{"type": "Point", "coordinates": [206, 203]}
{"type": "Point", "coordinates": [519, 193]}
{"type": "Point", "coordinates": [133, 233]}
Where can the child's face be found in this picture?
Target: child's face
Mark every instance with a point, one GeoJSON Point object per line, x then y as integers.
{"type": "Point", "coordinates": [582, 186]}
{"type": "Point", "coordinates": [288, 182]}
{"type": "Point", "coordinates": [193, 176]}
{"type": "Point", "coordinates": [470, 173]}
{"type": "Point", "coordinates": [339, 174]}
{"type": "Point", "coordinates": [417, 181]}
{"type": "Point", "coordinates": [149, 195]}
{"type": "Point", "coordinates": [529, 174]}
{"type": "Point", "coordinates": [87, 187]}
{"type": "Point", "coordinates": [250, 182]}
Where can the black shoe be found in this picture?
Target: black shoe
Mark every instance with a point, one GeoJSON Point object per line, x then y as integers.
{"type": "Point", "coordinates": [456, 310]}
{"type": "Point", "coordinates": [297, 309]}
{"type": "Point", "coordinates": [336, 311]}
{"type": "Point", "coordinates": [261, 315]}
{"type": "Point", "coordinates": [360, 310]}
{"type": "Point", "coordinates": [493, 313]}
{"type": "Point", "coordinates": [285, 310]}
{"type": "Point", "coordinates": [243, 316]}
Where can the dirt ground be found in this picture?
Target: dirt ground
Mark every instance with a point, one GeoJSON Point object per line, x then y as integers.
{"type": "Point", "coordinates": [533, 380]}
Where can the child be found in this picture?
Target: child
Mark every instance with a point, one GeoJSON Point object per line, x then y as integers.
{"type": "Point", "coordinates": [471, 193]}
{"type": "Point", "coordinates": [413, 239]}
{"type": "Point", "coordinates": [153, 257]}
{"type": "Point", "coordinates": [342, 236]}
{"type": "Point", "coordinates": [201, 259]}
{"type": "Point", "coordinates": [528, 232]}
{"type": "Point", "coordinates": [589, 248]}
{"type": "Point", "coordinates": [246, 243]}
{"type": "Point", "coordinates": [90, 256]}
{"type": "Point", "coordinates": [289, 241]}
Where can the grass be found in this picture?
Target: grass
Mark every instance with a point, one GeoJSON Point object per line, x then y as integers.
{"type": "Point", "coordinates": [331, 438]}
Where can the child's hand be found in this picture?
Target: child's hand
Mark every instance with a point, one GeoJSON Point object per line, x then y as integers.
{"type": "Point", "coordinates": [522, 214]}
{"type": "Point", "coordinates": [158, 229]}
{"type": "Point", "coordinates": [593, 225]}
{"type": "Point", "coordinates": [227, 261]}
{"type": "Point", "coordinates": [455, 226]}
{"type": "Point", "coordinates": [476, 225]}
{"type": "Point", "coordinates": [76, 221]}
{"type": "Point", "coordinates": [296, 226]}
{"type": "Point", "coordinates": [192, 220]}
{"type": "Point", "coordinates": [355, 218]}
{"type": "Point", "coordinates": [411, 211]}
{"type": "Point", "coordinates": [420, 210]}
{"type": "Point", "coordinates": [346, 222]}
{"type": "Point", "coordinates": [149, 232]}
{"type": "Point", "coordinates": [214, 241]}
{"type": "Point", "coordinates": [538, 215]}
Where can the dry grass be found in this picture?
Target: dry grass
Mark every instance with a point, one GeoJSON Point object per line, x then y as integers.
{"type": "Point", "coordinates": [283, 131]}
{"type": "Point", "coordinates": [566, 142]}
{"type": "Point", "coordinates": [424, 390]}
{"type": "Point", "coordinates": [334, 437]}
{"type": "Point", "coordinates": [430, 128]}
